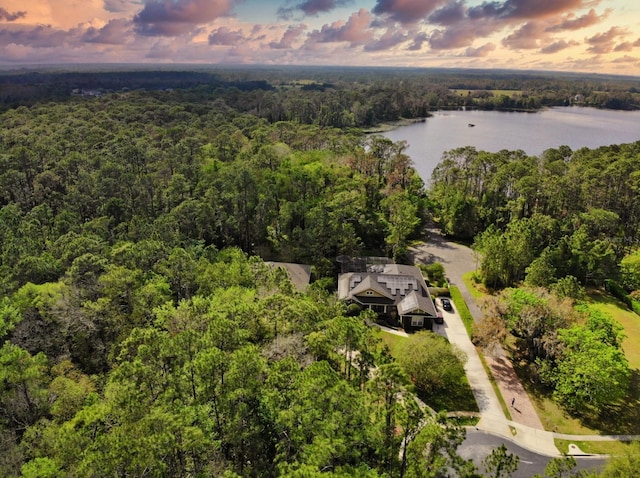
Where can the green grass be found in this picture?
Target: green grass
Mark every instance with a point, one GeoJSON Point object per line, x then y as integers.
{"type": "Point", "coordinates": [629, 320]}
{"type": "Point", "coordinates": [596, 447]}
{"type": "Point", "coordinates": [463, 310]}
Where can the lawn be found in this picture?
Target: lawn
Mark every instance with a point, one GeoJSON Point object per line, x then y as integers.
{"type": "Point", "coordinates": [628, 319]}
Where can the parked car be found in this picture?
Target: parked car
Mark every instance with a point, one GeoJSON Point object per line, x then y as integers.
{"type": "Point", "coordinates": [446, 304]}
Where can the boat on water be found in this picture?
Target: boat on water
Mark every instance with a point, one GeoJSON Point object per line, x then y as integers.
{"type": "Point", "coordinates": [470, 125]}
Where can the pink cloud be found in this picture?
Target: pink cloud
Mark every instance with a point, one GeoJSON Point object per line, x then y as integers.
{"type": "Point", "coordinates": [526, 37]}
{"type": "Point", "coordinates": [115, 32]}
{"type": "Point", "coordinates": [481, 51]}
{"type": "Point", "coordinates": [406, 11]}
{"type": "Point", "coordinates": [527, 9]}
{"type": "Point", "coordinates": [225, 36]}
{"type": "Point", "coordinates": [41, 36]}
{"type": "Point", "coordinates": [624, 46]}
{"type": "Point", "coordinates": [584, 21]}
{"type": "Point", "coordinates": [10, 16]}
{"type": "Point", "coordinates": [604, 42]}
{"type": "Point", "coordinates": [558, 46]}
{"type": "Point", "coordinates": [289, 37]}
{"type": "Point", "coordinates": [173, 18]}
{"type": "Point", "coordinates": [355, 31]}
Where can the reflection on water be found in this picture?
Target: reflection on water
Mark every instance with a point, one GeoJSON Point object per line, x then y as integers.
{"type": "Point", "coordinates": [531, 132]}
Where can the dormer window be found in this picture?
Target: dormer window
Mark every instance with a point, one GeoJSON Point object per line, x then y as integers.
{"type": "Point", "coordinates": [369, 292]}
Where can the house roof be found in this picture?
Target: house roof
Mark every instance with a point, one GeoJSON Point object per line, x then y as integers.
{"type": "Point", "coordinates": [416, 303]}
{"type": "Point", "coordinates": [398, 284]}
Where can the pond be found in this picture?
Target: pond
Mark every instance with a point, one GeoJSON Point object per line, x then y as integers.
{"type": "Point", "coordinates": [533, 133]}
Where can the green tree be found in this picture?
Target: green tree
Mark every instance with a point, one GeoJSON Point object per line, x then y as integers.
{"type": "Point", "coordinates": [432, 363]}
{"type": "Point", "coordinates": [500, 463]}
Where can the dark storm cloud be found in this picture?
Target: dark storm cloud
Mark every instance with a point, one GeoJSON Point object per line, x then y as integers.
{"type": "Point", "coordinates": [10, 16]}
{"type": "Point", "coordinates": [406, 11]}
{"type": "Point", "coordinates": [177, 17]}
{"type": "Point", "coordinates": [312, 7]}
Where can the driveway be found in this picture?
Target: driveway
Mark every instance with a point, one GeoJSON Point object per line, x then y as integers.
{"type": "Point", "coordinates": [457, 261]}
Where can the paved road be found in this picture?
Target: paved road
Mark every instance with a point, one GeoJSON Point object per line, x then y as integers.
{"type": "Point", "coordinates": [457, 261]}
{"type": "Point", "coordinates": [479, 444]}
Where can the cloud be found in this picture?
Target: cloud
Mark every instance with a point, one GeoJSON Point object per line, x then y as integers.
{"type": "Point", "coordinates": [527, 9]}
{"type": "Point", "coordinates": [604, 42]}
{"type": "Point", "coordinates": [637, 42]}
{"type": "Point", "coordinates": [406, 11]}
{"type": "Point", "coordinates": [626, 59]}
{"type": "Point", "coordinates": [289, 37]}
{"type": "Point", "coordinates": [557, 46]}
{"type": "Point", "coordinates": [312, 7]}
{"type": "Point", "coordinates": [387, 40]}
{"type": "Point", "coordinates": [449, 14]}
{"type": "Point", "coordinates": [526, 37]}
{"type": "Point", "coordinates": [120, 6]}
{"type": "Point", "coordinates": [41, 36]}
{"type": "Point", "coordinates": [480, 52]}
{"type": "Point", "coordinates": [584, 21]}
{"type": "Point", "coordinates": [418, 41]}
{"type": "Point", "coordinates": [225, 36]}
{"type": "Point", "coordinates": [115, 32]}
{"type": "Point", "coordinates": [177, 17]}
{"type": "Point", "coordinates": [624, 46]}
{"type": "Point", "coordinates": [460, 35]}
{"type": "Point", "coordinates": [10, 17]}
{"type": "Point", "coordinates": [355, 31]}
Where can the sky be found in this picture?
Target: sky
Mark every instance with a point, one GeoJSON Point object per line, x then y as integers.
{"type": "Point", "coordinates": [594, 36]}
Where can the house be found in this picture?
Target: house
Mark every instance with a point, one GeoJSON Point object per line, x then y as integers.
{"type": "Point", "coordinates": [397, 293]}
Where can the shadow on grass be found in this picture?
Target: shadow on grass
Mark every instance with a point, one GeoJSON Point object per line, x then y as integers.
{"type": "Point", "coordinates": [458, 399]}
{"type": "Point", "coordinates": [622, 417]}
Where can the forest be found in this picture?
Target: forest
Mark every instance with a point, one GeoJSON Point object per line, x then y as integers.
{"type": "Point", "coordinates": [144, 335]}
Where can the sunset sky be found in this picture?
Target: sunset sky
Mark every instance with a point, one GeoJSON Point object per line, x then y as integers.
{"type": "Point", "coordinates": [601, 36]}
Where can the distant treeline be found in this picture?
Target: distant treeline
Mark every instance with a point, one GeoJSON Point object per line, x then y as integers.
{"type": "Point", "coordinates": [360, 97]}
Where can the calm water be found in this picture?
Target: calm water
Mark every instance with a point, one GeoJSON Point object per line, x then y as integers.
{"type": "Point", "coordinates": [531, 132]}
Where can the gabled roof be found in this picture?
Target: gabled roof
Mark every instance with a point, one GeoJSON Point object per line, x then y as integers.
{"type": "Point", "coordinates": [416, 303]}
{"type": "Point", "coordinates": [369, 283]}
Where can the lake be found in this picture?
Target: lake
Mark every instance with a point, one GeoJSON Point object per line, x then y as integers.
{"type": "Point", "coordinates": [533, 133]}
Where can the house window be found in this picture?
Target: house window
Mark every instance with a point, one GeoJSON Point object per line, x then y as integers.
{"type": "Point", "coordinates": [369, 292]}
{"type": "Point", "coordinates": [417, 322]}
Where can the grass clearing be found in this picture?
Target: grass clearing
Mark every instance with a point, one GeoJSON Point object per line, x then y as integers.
{"type": "Point", "coordinates": [608, 447]}
{"type": "Point", "coordinates": [608, 304]}
{"type": "Point", "coordinates": [463, 310]}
